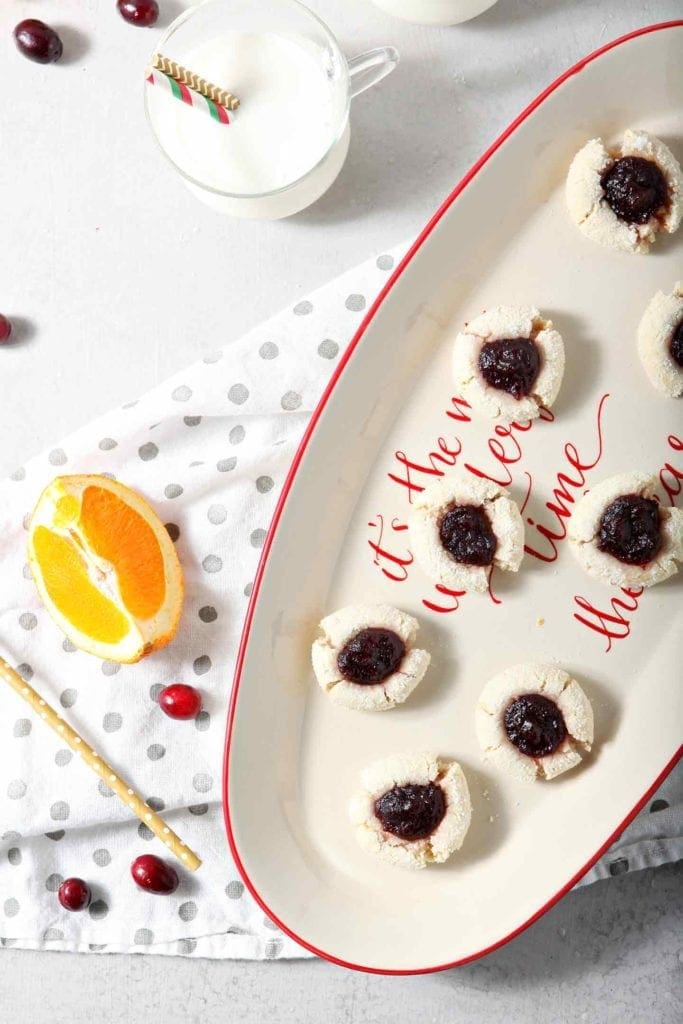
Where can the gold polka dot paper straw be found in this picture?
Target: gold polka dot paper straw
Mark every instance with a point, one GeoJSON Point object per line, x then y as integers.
{"type": "Point", "coordinates": [119, 786]}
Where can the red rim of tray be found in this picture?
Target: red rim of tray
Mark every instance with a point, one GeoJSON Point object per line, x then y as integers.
{"type": "Point", "coordinates": [426, 232]}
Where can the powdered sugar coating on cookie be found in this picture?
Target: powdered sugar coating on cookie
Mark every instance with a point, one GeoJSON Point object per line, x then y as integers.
{"type": "Point", "coordinates": [662, 316]}
{"type": "Point", "coordinates": [591, 212]}
{"type": "Point", "coordinates": [584, 530]}
{"type": "Point", "coordinates": [416, 769]}
{"type": "Point", "coordinates": [502, 513]}
{"type": "Point", "coordinates": [339, 628]}
{"type": "Point", "coordinates": [551, 682]}
{"type": "Point", "coordinates": [497, 324]}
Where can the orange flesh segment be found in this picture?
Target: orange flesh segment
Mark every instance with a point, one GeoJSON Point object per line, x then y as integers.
{"type": "Point", "coordinates": [69, 587]}
{"type": "Point", "coordinates": [119, 534]}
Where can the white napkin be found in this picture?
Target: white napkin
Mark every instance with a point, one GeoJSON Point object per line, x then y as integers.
{"type": "Point", "coordinates": [210, 449]}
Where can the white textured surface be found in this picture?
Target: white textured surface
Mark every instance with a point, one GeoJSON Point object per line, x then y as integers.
{"type": "Point", "coordinates": [95, 229]}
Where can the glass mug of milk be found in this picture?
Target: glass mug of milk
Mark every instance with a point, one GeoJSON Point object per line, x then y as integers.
{"type": "Point", "coordinates": [288, 140]}
{"type": "Point", "coordinates": [435, 12]}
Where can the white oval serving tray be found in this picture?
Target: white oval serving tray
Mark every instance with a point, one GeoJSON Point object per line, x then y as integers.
{"type": "Point", "coordinates": [389, 422]}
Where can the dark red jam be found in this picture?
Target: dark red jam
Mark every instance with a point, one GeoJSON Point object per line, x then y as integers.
{"type": "Point", "coordinates": [371, 655]}
{"type": "Point", "coordinates": [635, 189]}
{"type": "Point", "coordinates": [676, 346]}
{"type": "Point", "coordinates": [511, 365]}
{"type": "Point", "coordinates": [630, 529]}
{"type": "Point", "coordinates": [465, 532]}
{"type": "Point", "coordinates": [411, 812]}
{"type": "Point", "coordinates": [535, 725]}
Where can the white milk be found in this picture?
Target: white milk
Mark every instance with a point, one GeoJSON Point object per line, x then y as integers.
{"type": "Point", "coordinates": [435, 12]}
{"type": "Point", "coordinates": [291, 125]}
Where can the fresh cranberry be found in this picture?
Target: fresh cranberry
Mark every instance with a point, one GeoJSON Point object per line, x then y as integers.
{"type": "Point", "coordinates": [154, 875]}
{"type": "Point", "coordinates": [74, 894]}
{"type": "Point", "coordinates": [5, 329]}
{"type": "Point", "coordinates": [38, 41]}
{"type": "Point", "coordinates": [139, 12]}
{"type": "Point", "coordinates": [180, 701]}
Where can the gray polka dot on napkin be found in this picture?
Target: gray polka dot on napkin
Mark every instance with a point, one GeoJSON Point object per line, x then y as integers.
{"type": "Point", "coordinates": [57, 457]}
{"type": "Point", "coordinates": [148, 451]}
{"type": "Point", "coordinates": [212, 563]}
{"type": "Point", "coordinates": [181, 393]}
{"type": "Point", "coordinates": [238, 394]}
{"type": "Point", "coordinates": [60, 810]}
{"type": "Point", "coordinates": [290, 401]}
{"type": "Point", "coordinates": [216, 514]}
{"type": "Point", "coordinates": [98, 910]}
{"type": "Point", "coordinates": [202, 782]}
{"type": "Point", "coordinates": [328, 349]}
{"type": "Point", "coordinates": [187, 911]}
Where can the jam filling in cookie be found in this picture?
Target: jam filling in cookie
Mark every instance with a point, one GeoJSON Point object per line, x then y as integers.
{"type": "Point", "coordinates": [411, 812]}
{"type": "Point", "coordinates": [465, 532]}
{"type": "Point", "coordinates": [371, 656]}
{"type": "Point", "coordinates": [635, 189]}
{"type": "Point", "coordinates": [676, 346]}
{"type": "Point", "coordinates": [630, 529]}
{"type": "Point", "coordinates": [535, 725]}
{"type": "Point", "coordinates": [510, 364]}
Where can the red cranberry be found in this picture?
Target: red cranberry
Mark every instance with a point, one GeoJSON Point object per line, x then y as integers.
{"type": "Point", "coordinates": [5, 329]}
{"type": "Point", "coordinates": [139, 12]}
{"type": "Point", "coordinates": [38, 41]}
{"type": "Point", "coordinates": [74, 894]}
{"type": "Point", "coordinates": [180, 701]}
{"type": "Point", "coordinates": [154, 875]}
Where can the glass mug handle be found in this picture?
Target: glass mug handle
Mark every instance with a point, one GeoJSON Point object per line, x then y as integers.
{"type": "Point", "coordinates": [369, 68]}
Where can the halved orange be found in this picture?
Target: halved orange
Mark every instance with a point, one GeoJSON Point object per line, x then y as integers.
{"type": "Point", "coordinates": [105, 567]}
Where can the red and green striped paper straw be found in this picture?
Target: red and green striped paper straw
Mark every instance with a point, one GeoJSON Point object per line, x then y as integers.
{"type": "Point", "coordinates": [189, 96]}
